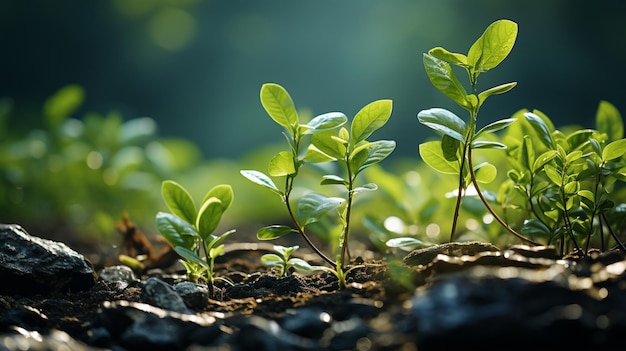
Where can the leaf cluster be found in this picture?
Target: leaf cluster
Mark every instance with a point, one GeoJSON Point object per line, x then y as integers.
{"type": "Point", "coordinates": [565, 180]}
{"type": "Point", "coordinates": [321, 140]}
{"type": "Point", "coordinates": [190, 229]}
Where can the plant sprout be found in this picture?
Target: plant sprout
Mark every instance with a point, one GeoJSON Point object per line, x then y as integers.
{"type": "Point", "coordinates": [190, 231]}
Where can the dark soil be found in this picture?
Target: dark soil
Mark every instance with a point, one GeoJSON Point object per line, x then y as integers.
{"type": "Point", "coordinates": [475, 304]}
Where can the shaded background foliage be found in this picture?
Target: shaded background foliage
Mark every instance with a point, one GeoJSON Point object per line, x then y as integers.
{"type": "Point", "coordinates": [196, 68]}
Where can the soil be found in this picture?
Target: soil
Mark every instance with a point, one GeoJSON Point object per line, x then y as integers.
{"type": "Point", "coordinates": [375, 311]}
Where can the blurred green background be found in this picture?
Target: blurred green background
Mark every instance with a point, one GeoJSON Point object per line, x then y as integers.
{"type": "Point", "coordinates": [195, 67]}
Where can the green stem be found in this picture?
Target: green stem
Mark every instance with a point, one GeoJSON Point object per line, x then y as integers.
{"type": "Point", "coordinates": [489, 208]}
{"type": "Point", "coordinates": [568, 224]}
{"type": "Point", "coordinates": [461, 189]}
{"type": "Point", "coordinates": [619, 242]}
{"type": "Point", "coordinates": [344, 244]}
{"type": "Point", "coordinates": [288, 188]}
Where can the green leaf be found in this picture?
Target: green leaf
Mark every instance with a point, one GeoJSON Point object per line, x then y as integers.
{"type": "Point", "coordinates": [432, 155]}
{"type": "Point", "coordinates": [614, 150]}
{"type": "Point", "coordinates": [485, 172]}
{"type": "Point", "coordinates": [571, 188]}
{"type": "Point", "coordinates": [272, 259]}
{"type": "Point", "coordinates": [300, 264]}
{"type": "Point", "coordinates": [495, 126]}
{"type": "Point", "coordinates": [375, 152]}
{"type": "Point", "coordinates": [553, 174]}
{"type": "Point", "coordinates": [526, 153]}
{"type": "Point", "coordinates": [217, 240]}
{"type": "Point", "coordinates": [444, 122]}
{"type": "Point", "coordinates": [450, 57]}
{"type": "Point", "coordinates": [442, 77]}
{"type": "Point", "coordinates": [313, 206]}
{"type": "Point", "coordinates": [279, 106]}
{"type": "Point", "coordinates": [286, 251]}
{"type": "Point", "coordinates": [273, 232]}
{"type": "Point", "coordinates": [580, 138]}
{"type": "Point", "coordinates": [365, 187]}
{"type": "Point", "coordinates": [609, 121]}
{"type": "Point", "coordinates": [209, 217]}
{"type": "Point", "coordinates": [500, 89]}
{"type": "Point", "coordinates": [540, 127]}
{"type": "Point", "coordinates": [63, 103]}
{"type": "Point", "coordinates": [450, 148]}
{"type": "Point", "coordinates": [405, 241]}
{"type": "Point", "coordinates": [326, 121]}
{"type": "Point", "coordinates": [223, 192]}
{"type": "Point", "coordinates": [179, 201]}
{"type": "Point", "coordinates": [189, 255]}
{"type": "Point", "coordinates": [328, 143]}
{"type": "Point", "coordinates": [493, 46]}
{"type": "Point", "coordinates": [482, 144]}
{"type": "Point", "coordinates": [176, 231]}
{"type": "Point", "coordinates": [369, 119]}
{"type": "Point", "coordinates": [215, 251]}
{"type": "Point", "coordinates": [331, 179]}
{"type": "Point", "coordinates": [533, 227]}
{"type": "Point", "coordinates": [543, 159]}
{"type": "Point", "coordinates": [261, 179]}
{"type": "Point", "coordinates": [282, 164]}
{"type": "Point", "coordinates": [315, 155]}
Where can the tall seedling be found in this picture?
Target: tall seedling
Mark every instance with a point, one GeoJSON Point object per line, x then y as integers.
{"type": "Point", "coordinates": [453, 153]}
{"type": "Point", "coordinates": [329, 142]}
{"type": "Point", "coordinates": [313, 206]}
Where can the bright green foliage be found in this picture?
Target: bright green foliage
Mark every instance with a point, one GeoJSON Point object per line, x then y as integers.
{"type": "Point", "coordinates": [283, 261]}
{"type": "Point", "coordinates": [355, 154]}
{"type": "Point", "coordinates": [327, 141]}
{"type": "Point", "coordinates": [453, 153]}
{"type": "Point", "coordinates": [84, 173]}
{"type": "Point", "coordinates": [190, 231]}
{"type": "Point", "coordinates": [564, 182]}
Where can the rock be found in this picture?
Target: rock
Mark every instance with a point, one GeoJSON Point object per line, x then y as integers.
{"type": "Point", "coordinates": [161, 294]}
{"type": "Point", "coordinates": [31, 265]}
{"type": "Point", "coordinates": [425, 255]}
{"type": "Point", "coordinates": [55, 340]}
{"type": "Point", "coordinates": [118, 274]}
{"type": "Point", "coordinates": [140, 326]}
{"type": "Point", "coordinates": [533, 308]}
{"type": "Point", "coordinates": [194, 295]}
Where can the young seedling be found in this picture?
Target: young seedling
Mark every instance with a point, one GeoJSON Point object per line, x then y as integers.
{"type": "Point", "coordinates": [354, 153]}
{"type": "Point", "coordinates": [312, 206]}
{"type": "Point", "coordinates": [190, 231]}
{"type": "Point", "coordinates": [453, 153]}
{"type": "Point", "coordinates": [565, 180]}
{"type": "Point", "coordinates": [349, 148]}
{"type": "Point", "coordinates": [283, 261]}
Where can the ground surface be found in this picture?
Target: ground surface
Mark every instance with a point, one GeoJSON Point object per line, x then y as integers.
{"type": "Point", "coordinates": [481, 299]}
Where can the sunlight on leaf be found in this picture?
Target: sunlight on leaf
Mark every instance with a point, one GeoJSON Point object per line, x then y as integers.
{"type": "Point", "coordinates": [179, 201]}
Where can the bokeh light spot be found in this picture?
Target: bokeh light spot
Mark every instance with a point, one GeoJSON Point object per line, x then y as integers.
{"type": "Point", "coordinates": [172, 28]}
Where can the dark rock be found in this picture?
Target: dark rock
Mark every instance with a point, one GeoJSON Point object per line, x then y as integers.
{"type": "Point", "coordinates": [307, 322]}
{"type": "Point", "coordinates": [55, 340]}
{"type": "Point", "coordinates": [31, 265]}
{"type": "Point", "coordinates": [141, 326]}
{"type": "Point", "coordinates": [425, 255]}
{"type": "Point", "coordinates": [194, 295]}
{"type": "Point", "coordinates": [542, 308]}
{"type": "Point", "coordinates": [158, 293]}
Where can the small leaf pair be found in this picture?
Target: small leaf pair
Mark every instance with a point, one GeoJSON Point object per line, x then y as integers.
{"type": "Point", "coordinates": [190, 230]}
